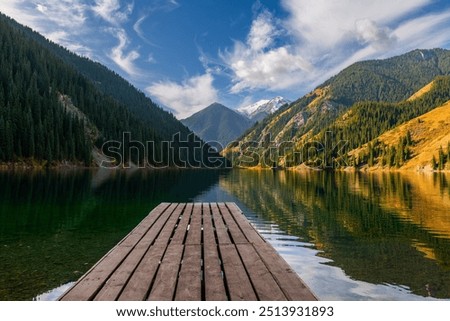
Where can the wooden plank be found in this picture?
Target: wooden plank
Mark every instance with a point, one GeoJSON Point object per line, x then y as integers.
{"type": "Point", "coordinates": [142, 278]}
{"type": "Point", "coordinates": [233, 228]}
{"type": "Point", "coordinates": [208, 229]}
{"type": "Point", "coordinates": [165, 233]}
{"type": "Point", "coordinates": [189, 287]}
{"type": "Point", "coordinates": [143, 227]}
{"type": "Point", "coordinates": [213, 275]}
{"type": "Point", "coordinates": [221, 230]}
{"type": "Point", "coordinates": [194, 235]}
{"type": "Point", "coordinates": [222, 236]}
{"type": "Point", "coordinates": [217, 217]}
{"type": "Point", "coordinates": [288, 280]}
{"type": "Point", "coordinates": [161, 259]}
{"type": "Point", "coordinates": [115, 283]}
{"type": "Point", "coordinates": [162, 229]}
{"type": "Point", "coordinates": [139, 284]}
{"type": "Point", "coordinates": [91, 282]}
{"type": "Point", "coordinates": [181, 229]}
{"type": "Point", "coordinates": [166, 278]}
{"type": "Point", "coordinates": [214, 281]}
{"type": "Point", "coordinates": [237, 281]}
{"type": "Point", "coordinates": [263, 282]}
{"type": "Point", "coordinates": [155, 231]}
{"type": "Point", "coordinates": [249, 231]}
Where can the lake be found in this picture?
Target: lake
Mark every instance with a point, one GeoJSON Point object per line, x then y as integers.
{"type": "Point", "coordinates": [350, 236]}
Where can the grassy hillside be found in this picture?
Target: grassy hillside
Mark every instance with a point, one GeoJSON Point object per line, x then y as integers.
{"type": "Point", "coordinates": [421, 92]}
{"type": "Point", "coordinates": [361, 126]}
{"type": "Point", "coordinates": [357, 105]}
{"type": "Point", "coordinates": [430, 136]}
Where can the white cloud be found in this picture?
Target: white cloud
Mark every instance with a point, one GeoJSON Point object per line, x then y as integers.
{"type": "Point", "coordinates": [428, 31]}
{"type": "Point", "coordinates": [151, 59]}
{"type": "Point", "coordinates": [258, 64]}
{"type": "Point", "coordinates": [64, 38]}
{"type": "Point", "coordinates": [262, 32]}
{"type": "Point", "coordinates": [62, 21]}
{"type": "Point", "coordinates": [124, 60]}
{"type": "Point", "coordinates": [186, 98]}
{"type": "Point", "coordinates": [324, 24]}
{"type": "Point", "coordinates": [112, 11]}
{"type": "Point", "coordinates": [65, 13]}
{"type": "Point", "coordinates": [333, 34]}
{"type": "Point", "coordinates": [116, 14]}
{"type": "Point", "coordinates": [275, 69]}
{"type": "Point", "coordinates": [315, 40]}
{"type": "Point", "coordinates": [18, 11]}
{"type": "Point", "coordinates": [370, 33]}
{"type": "Point", "coordinates": [42, 14]}
{"type": "Point", "coordinates": [321, 37]}
{"type": "Point", "coordinates": [45, 14]}
{"type": "Point", "coordinates": [67, 23]}
{"type": "Point", "coordinates": [137, 27]}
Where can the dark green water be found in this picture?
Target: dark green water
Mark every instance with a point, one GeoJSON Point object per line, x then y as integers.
{"type": "Point", "coordinates": [349, 236]}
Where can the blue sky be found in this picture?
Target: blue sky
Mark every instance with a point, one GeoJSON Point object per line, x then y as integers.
{"type": "Point", "coordinates": [187, 54]}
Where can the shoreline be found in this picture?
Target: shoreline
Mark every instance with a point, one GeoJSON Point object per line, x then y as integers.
{"type": "Point", "coordinates": [304, 168]}
{"type": "Point", "coordinates": [42, 166]}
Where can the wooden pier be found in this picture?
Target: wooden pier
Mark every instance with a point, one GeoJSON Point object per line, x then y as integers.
{"type": "Point", "coordinates": [201, 251]}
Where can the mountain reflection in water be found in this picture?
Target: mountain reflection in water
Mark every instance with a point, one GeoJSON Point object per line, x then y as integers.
{"type": "Point", "coordinates": [350, 236]}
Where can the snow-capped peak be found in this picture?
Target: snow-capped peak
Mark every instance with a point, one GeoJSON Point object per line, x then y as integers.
{"type": "Point", "coordinates": [262, 108]}
{"type": "Point", "coordinates": [250, 109]}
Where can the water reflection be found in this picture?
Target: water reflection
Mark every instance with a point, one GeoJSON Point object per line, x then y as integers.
{"type": "Point", "coordinates": [385, 228]}
{"type": "Point", "coordinates": [55, 225]}
{"type": "Point", "coordinates": [349, 235]}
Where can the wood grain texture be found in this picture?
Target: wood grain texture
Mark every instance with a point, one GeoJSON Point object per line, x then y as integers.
{"type": "Point", "coordinates": [201, 251]}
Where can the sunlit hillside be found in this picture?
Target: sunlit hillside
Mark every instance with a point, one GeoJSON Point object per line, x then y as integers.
{"type": "Point", "coordinates": [429, 133]}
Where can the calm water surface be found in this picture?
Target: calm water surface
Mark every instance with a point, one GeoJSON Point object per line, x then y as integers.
{"type": "Point", "coordinates": [350, 236]}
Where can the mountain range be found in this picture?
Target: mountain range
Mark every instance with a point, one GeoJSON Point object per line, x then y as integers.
{"type": "Point", "coordinates": [220, 125]}
{"type": "Point", "coordinates": [59, 108]}
{"type": "Point", "coordinates": [262, 108]}
{"type": "Point", "coordinates": [356, 106]}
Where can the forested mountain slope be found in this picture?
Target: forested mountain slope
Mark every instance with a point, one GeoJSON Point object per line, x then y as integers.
{"type": "Point", "coordinates": [110, 83]}
{"type": "Point", "coordinates": [56, 107]}
{"type": "Point", "coordinates": [367, 87]}
{"type": "Point", "coordinates": [390, 134]}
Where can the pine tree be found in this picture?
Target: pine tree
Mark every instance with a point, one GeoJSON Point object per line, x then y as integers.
{"type": "Point", "coordinates": [391, 156]}
{"type": "Point", "coordinates": [409, 141]}
{"type": "Point", "coordinates": [434, 164]}
{"type": "Point", "coordinates": [370, 160]}
{"type": "Point", "coordinates": [384, 160]}
{"type": "Point", "coordinates": [2, 138]}
{"type": "Point", "coordinates": [9, 148]}
{"type": "Point", "coordinates": [399, 155]}
{"type": "Point", "coordinates": [441, 163]}
{"type": "Point", "coordinates": [448, 152]}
